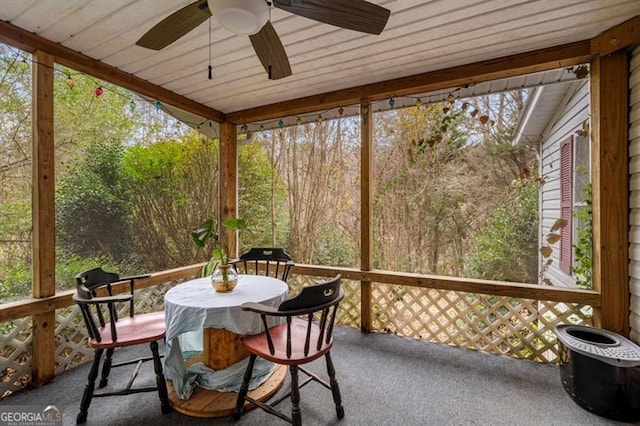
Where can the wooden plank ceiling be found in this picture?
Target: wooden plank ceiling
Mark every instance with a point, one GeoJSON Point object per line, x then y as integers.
{"type": "Point", "coordinates": [421, 36]}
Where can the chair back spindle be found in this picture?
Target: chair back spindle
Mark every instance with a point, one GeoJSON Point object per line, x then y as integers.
{"type": "Point", "coordinates": [269, 261]}
{"type": "Point", "coordinates": [316, 300]}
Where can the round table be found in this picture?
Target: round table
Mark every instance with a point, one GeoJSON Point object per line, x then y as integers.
{"type": "Point", "coordinates": [202, 321]}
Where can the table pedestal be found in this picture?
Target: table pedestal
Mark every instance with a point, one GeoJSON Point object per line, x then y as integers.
{"type": "Point", "coordinates": [208, 403]}
{"type": "Point", "coordinates": [222, 348]}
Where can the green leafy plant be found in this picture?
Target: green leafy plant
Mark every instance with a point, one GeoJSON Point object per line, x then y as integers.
{"type": "Point", "coordinates": [583, 249]}
{"type": "Point", "coordinates": [220, 254]}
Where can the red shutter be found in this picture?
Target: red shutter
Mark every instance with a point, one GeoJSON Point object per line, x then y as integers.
{"type": "Point", "coordinates": [566, 203]}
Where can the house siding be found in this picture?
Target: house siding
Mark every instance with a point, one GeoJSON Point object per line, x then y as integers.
{"type": "Point", "coordinates": [634, 195]}
{"type": "Point", "coordinates": [573, 112]}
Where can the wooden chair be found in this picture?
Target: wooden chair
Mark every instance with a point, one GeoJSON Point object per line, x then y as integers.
{"type": "Point", "coordinates": [271, 261]}
{"type": "Point", "coordinates": [96, 300]}
{"type": "Point", "coordinates": [306, 335]}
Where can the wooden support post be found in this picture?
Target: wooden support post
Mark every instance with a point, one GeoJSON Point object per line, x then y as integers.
{"type": "Point", "coordinates": [44, 281]}
{"type": "Point", "coordinates": [228, 205]}
{"type": "Point", "coordinates": [610, 179]}
{"type": "Point", "coordinates": [366, 177]}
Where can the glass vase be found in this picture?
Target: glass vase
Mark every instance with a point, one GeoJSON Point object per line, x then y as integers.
{"type": "Point", "coordinates": [224, 278]}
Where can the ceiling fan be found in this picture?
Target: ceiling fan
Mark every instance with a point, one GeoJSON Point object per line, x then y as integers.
{"type": "Point", "coordinates": [251, 17]}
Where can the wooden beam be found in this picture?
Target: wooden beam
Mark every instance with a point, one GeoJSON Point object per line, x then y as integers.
{"type": "Point", "coordinates": [228, 204]}
{"type": "Point", "coordinates": [29, 42]}
{"type": "Point", "coordinates": [467, 285]}
{"type": "Point", "coordinates": [27, 307]}
{"type": "Point", "coordinates": [524, 63]}
{"type": "Point", "coordinates": [610, 180]}
{"type": "Point", "coordinates": [32, 306]}
{"type": "Point", "coordinates": [43, 211]}
{"type": "Point", "coordinates": [619, 37]}
{"type": "Point", "coordinates": [366, 205]}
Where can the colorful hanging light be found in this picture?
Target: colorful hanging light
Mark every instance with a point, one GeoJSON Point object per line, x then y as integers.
{"type": "Point", "coordinates": [98, 91]}
{"type": "Point", "coordinates": [70, 82]}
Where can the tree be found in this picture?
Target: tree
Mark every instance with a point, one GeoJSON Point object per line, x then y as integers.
{"type": "Point", "coordinates": [419, 215]}
{"type": "Point", "coordinates": [262, 198]}
{"type": "Point", "coordinates": [315, 161]}
{"type": "Point", "coordinates": [172, 187]}
{"type": "Point", "coordinates": [91, 211]}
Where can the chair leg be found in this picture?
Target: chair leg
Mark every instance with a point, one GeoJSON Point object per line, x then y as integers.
{"type": "Point", "coordinates": [244, 389]}
{"type": "Point", "coordinates": [106, 368]}
{"type": "Point", "coordinates": [296, 416]}
{"type": "Point", "coordinates": [160, 382]}
{"type": "Point", "coordinates": [88, 390]}
{"type": "Point", "coordinates": [335, 389]}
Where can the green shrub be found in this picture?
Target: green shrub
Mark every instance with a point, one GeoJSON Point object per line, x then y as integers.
{"type": "Point", "coordinates": [507, 248]}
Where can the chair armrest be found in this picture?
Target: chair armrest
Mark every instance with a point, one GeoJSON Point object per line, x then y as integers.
{"type": "Point", "coordinates": [261, 309]}
{"type": "Point", "coordinates": [105, 299]}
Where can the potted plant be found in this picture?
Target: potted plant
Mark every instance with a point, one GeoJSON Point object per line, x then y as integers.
{"type": "Point", "coordinates": [223, 276]}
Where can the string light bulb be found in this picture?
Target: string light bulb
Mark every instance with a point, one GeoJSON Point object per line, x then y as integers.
{"type": "Point", "coordinates": [158, 106]}
{"type": "Point", "coordinates": [281, 123]}
{"type": "Point", "coordinates": [392, 102]}
{"type": "Point", "coordinates": [70, 82]}
{"type": "Point", "coordinates": [340, 111]}
{"type": "Point", "coordinates": [99, 91]}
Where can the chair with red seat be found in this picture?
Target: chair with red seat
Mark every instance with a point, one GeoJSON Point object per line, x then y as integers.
{"type": "Point", "coordinates": [305, 335]}
{"type": "Point", "coordinates": [94, 295]}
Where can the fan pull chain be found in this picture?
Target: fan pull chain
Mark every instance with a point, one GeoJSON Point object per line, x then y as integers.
{"type": "Point", "coordinates": [210, 67]}
{"type": "Point", "coordinates": [269, 4]}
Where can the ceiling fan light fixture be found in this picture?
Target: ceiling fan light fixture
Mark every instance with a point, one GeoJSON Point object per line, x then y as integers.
{"type": "Point", "coordinates": [240, 16]}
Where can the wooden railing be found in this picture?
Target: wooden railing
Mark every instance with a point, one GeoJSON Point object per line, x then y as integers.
{"type": "Point", "coordinates": [515, 319]}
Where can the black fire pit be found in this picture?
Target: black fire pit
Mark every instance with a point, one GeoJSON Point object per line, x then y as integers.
{"type": "Point", "coordinates": [601, 371]}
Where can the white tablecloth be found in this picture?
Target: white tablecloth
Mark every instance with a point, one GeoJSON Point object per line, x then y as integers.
{"type": "Point", "coordinates": [194, 305]}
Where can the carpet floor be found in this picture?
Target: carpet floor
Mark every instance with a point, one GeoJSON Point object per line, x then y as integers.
{"type": "Point", "coordinates": [384, 380]}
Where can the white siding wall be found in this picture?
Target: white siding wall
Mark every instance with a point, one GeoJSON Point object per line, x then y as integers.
{"type": "Point", "coordinates": [573, 112]}
{"type": "Point", "coordinates": [634, 195]}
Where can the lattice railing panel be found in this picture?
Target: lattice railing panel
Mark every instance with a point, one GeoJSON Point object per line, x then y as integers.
{"type": "Point", "coordinates": [15, 355]}
{"type": "Point", "coordinates": [71, 339]}
{"type": "Point", "coordinates": [520, 328]}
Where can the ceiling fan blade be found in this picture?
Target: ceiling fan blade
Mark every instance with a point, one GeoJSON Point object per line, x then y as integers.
{"type": "Point", "coordinates": [271, 52]}
{"type": "Point", "coordinates": [175, 26]}
{"type": "Point", "coordinates": [357, 15]}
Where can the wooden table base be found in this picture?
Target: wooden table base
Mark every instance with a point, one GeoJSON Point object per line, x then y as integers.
{"type": "Point", "coordinates": [208, 403]}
